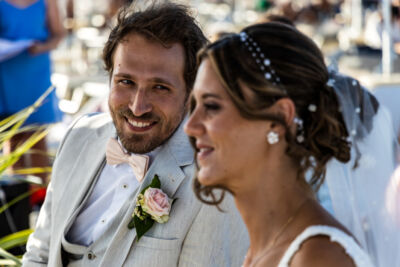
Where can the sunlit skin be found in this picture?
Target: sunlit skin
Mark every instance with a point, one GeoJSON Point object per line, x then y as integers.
{"type": "Point", "coordinates": [147, 98]}
{"type": "Point", "coordinates": [222, 134]}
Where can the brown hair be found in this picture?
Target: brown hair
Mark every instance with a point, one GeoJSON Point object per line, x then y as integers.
{"type": "Point", "coordinates": [303, 76]}
{"type": "Point", "coordinates": [163, 22]}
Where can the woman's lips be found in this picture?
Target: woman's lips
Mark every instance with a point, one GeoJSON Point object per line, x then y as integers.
{"type": "Point", "coordinates": [203, 151]}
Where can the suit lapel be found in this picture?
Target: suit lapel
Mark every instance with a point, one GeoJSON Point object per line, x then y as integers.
{"type": "Point", "coordinates": [176, 153]}
{"type": "Point", "coordinates": [87, 166]}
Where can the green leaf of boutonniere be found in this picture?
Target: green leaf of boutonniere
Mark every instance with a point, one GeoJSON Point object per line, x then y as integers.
{"type": "Point", "coordinates": [151, 206]}
{"type": "Point", "coordinates": [142, 226]}
{"type": "Point", "coordinates": [155, 183]}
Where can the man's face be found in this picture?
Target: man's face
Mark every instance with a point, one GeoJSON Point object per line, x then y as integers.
{"type": "Point", "coordinates": [147, 97]}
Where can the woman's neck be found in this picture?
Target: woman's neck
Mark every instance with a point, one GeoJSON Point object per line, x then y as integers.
{"type": "Point", "coordinates": [269, 207]}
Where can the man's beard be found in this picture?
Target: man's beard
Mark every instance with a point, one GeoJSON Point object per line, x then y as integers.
{"type": "Point", "coordinates": [144, 143]}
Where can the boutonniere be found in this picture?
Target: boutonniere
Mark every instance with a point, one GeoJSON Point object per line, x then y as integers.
{"type": "Point", "coordinates": [152, 205]}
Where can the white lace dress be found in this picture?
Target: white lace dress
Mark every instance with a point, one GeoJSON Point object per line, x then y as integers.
{"type": "Point", "coordinates": [353, 250]}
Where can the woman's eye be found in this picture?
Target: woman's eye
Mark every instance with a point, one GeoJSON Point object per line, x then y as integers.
{"type": "Point", "coordinates": [211, 106]}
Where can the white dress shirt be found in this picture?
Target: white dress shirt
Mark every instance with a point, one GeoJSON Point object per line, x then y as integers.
{"type": "Point", "coordinates": [114, 186]}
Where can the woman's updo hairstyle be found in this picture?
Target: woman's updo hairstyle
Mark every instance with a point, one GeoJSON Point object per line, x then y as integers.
{"type": "Point", "coordinates": [299, 73]}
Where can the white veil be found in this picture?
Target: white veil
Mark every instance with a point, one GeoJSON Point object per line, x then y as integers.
{"type": "Point", "coordinates": [358, 188]}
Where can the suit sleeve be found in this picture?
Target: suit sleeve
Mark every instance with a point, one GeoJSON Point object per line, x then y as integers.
{"type": "Point", "coordinates": [37, 248]}
{"type": "Point", "coordinates": [215, 238]}
{"type": "Point", "coordinates": [38, 245]}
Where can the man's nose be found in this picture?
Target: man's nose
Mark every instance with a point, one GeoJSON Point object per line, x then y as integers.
{"type": "Point", "coordinates": [140, 103]}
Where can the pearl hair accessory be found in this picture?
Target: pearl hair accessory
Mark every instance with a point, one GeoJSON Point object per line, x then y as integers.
{"type": "Point", "coordinates": [300, 129]}
{"type": "Point", "coordinates": [272, 137]}
{"type": "Point", "coordinates": [330, 82]}
{"type": "Point", "coordinates": [312, 107]}
{"type": "Point", "coordinates": [263, 62]}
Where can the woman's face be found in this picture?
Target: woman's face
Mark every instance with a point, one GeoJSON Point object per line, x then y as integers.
{"type": "Point", "coordinates": [227, 144]}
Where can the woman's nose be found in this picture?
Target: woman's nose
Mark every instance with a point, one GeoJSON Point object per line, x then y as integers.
{"type": "Point", "coordinates": [193, 127]}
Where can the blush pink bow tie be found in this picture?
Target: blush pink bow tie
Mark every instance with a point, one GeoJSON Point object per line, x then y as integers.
{"type": "Point", "coordinates": [115, 155]}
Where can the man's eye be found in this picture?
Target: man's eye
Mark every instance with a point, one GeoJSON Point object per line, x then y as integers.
{"type": "Point", "coordinates": [161, 87]}
{"type": "Point", "coordinates": [125, 82]}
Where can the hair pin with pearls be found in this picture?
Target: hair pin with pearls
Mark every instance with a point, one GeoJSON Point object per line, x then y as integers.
{"type": "Point", "coordinates": [263, 62]}
{"type": "Point", "coordinates": [300, 129]}
{"type": "Point", "coordinates": [312, 108]}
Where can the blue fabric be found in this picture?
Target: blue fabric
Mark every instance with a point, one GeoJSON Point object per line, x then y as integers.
{"type": "Point", "coordinates": [25, 77]}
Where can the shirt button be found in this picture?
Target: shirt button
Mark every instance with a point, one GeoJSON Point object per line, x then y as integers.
{"type": "Point", "coordinates": [91, 255]}
{"type": "Point", "coordinates": [125, 186]}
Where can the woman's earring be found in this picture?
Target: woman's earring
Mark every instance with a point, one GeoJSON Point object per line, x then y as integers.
{"type": "Point", "coordinates": [273, 137]}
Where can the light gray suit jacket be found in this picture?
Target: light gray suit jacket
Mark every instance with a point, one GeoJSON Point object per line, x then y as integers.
{"type": "Point", "coordinates": [195, 235]}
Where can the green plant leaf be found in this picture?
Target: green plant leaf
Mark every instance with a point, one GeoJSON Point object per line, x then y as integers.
{"type": "Point", "coordinates": [15, 239]}
{"type": "Point", "coordinates": [142, 226]}
{"type": "Point", "coordinates": [7, 263]}
{"type": "Point", "coordinates": [9, 127]}
{"type": "Point", "coordinates": [12, 124]}
{"type": "Point", "coordinates": [16, 200]}
{"type": "Point", "coordinates": [34, 170]}
{"type": "Point", "coordinates": [9, 159]}
{"type": "Point", "coordinates": [9, 256]}
{"type": "Point", "coordinates": [155, 183]}
{"type": "Point", "coordinates": [131, 224]}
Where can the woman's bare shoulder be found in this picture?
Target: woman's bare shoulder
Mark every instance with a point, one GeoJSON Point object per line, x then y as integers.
{"type": "Point", "coordinates": [321, 251]}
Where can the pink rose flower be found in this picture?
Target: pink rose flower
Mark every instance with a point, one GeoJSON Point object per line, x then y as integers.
{"type": "Point", "coordinates": [157, 204]}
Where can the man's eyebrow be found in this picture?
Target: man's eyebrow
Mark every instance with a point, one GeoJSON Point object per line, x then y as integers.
{"type": "Point", "coordinates": [124, 75]}
{"type": "Point", "coordinates": [161, 80]}
{"type": "Point", "coordinates": [155, 80]}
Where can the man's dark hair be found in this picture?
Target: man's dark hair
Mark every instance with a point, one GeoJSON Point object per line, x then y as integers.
{"type": "Point", "coordinates": [166, 23]}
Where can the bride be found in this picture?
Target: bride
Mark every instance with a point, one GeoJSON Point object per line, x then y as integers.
{"type": "Point", "coordinates": [264, 111]}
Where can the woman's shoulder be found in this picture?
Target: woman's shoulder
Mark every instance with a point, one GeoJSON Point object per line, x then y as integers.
{"type": "Point", "coordinates": [322, 245]}
{"type": "Point", "coordinates": [321, 251]}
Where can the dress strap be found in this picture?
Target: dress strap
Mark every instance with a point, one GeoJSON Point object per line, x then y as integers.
{"type": "Point", "coordinates": [352, 249]}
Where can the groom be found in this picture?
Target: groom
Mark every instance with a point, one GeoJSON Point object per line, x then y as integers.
{"type": "Point", "coordinates": [151, 58]}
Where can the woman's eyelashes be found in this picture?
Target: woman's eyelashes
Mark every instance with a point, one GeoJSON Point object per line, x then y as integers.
{"type": "Point", "coordinates": [211, 106]}
{"type": "Point", "coordinates": [205, 106]}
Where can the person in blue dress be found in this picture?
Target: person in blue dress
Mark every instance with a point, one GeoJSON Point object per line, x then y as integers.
{"type": "Point", "coordinates": [26, 76]}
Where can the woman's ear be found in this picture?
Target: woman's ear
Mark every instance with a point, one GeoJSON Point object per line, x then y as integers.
{"type": "Point", "coordinates": [286, 110]}
{"type": "Point", "coordinates": [285, 107]}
